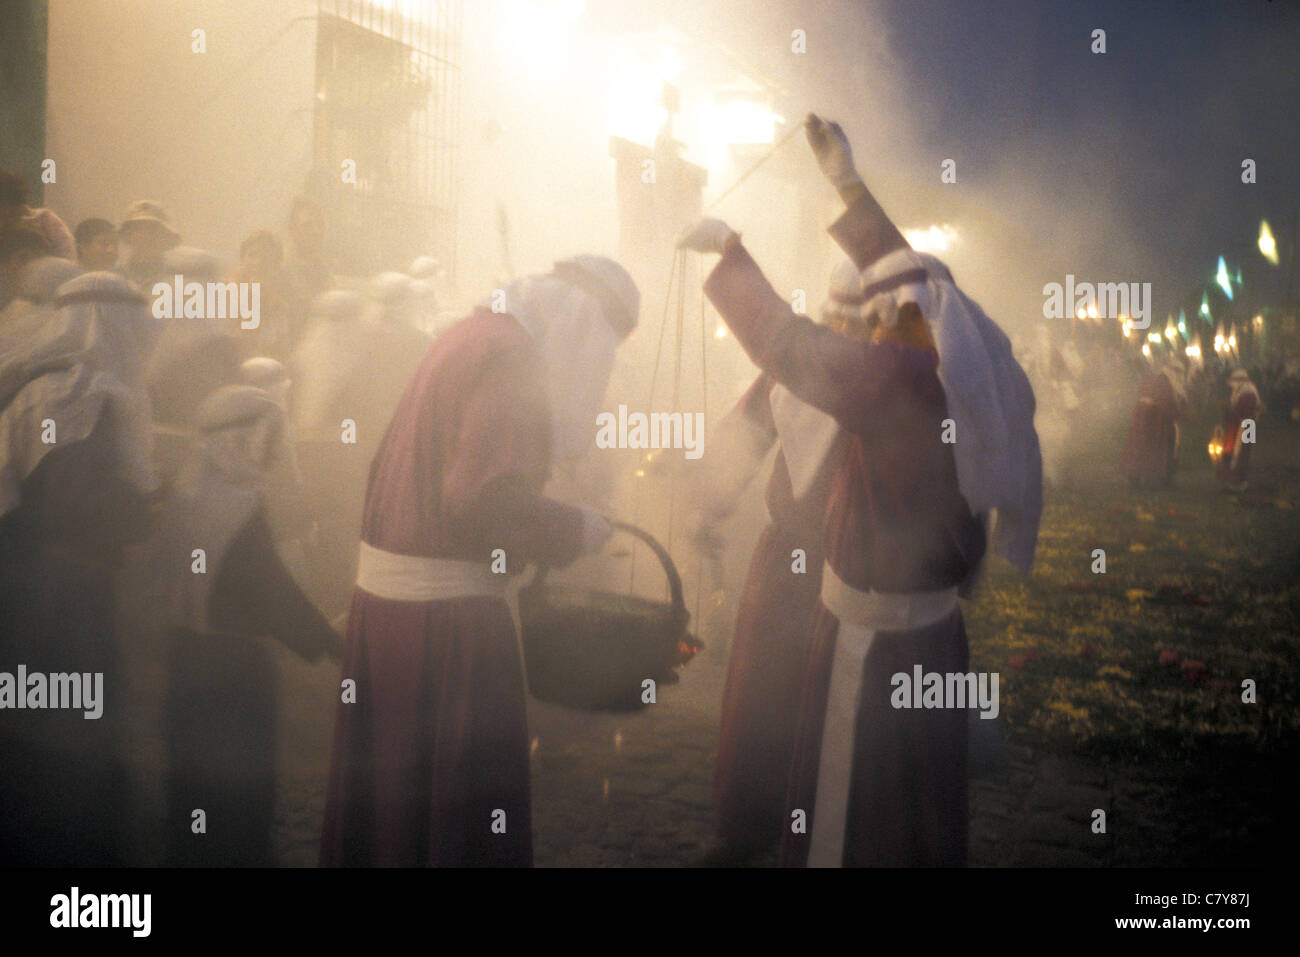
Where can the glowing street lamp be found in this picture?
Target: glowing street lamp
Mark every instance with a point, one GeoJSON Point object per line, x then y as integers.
{"type": "Point", "coordinates": [1267, 244]}
{"type": "Point", "coordinates": [1223, 279]}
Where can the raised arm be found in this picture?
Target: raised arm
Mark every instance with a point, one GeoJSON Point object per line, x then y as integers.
{"type": "Point", "coordinates": [850, 379]}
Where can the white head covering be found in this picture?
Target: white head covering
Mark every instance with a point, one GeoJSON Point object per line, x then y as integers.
{"type": "Point", "coordinates": [394, 294]}
{"type": "Point", "coordinates": [69, 365]}
{"type": "Point", "coordinates": [577, 340]}
{"type": "Point", "coordinates": [1239, 383]}
{"type": "Point", "coordinates": [845, 294]}
{"type": "Point", "coordinates": [423, 267]}
{"type": "Point", "coordinates": [338, 342]}
{"type": "Point", "coordinates": [269, 375]}
{"type": "Point", "coordinates": [193, 263]}
{"type": "Point", "coordinates": [999, 465]}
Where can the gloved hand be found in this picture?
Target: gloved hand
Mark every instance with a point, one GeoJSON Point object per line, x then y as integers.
{"type": "Point", "coordinates": [707, 236]}
{"type": "Point", "coordinates": [596, 530]}
{"type": "Point", "coordinates": [831, 147]}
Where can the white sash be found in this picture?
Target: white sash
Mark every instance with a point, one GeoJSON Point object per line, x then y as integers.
{"type": "Point", "coordinates": [807, 434]}
{"type": "Point", "coordinates": [861, 614]}
{"type": "Point", "coordinates": [414, 578]}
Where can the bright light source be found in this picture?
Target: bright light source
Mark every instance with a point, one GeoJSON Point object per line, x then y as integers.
{"type": "Point", "coordinates": [935, 239]}
{"type": "Point", "coordinates": [721, 332]}
{"type": "Point", "coordinates": [1223, 279]}
{"type": "Point", "coordinates": [1146, 349]}
{"type": "Point", "coordinates": [1267, 245]}
{"type": "Point", "coordinates": [1193, 352]}
{"type": "Point", "coordinates": [668, 62]}
{"type": "Point", "coordinates": [635, 104]}
{"type": "Point", "coordinates": [743, 122]}
{"type": "Point", "coordinates": [1259, 322]}
{"type": "Point", "coordinates": [1153, 337]}
{"type": "Point", "coordinates": [571, 9]}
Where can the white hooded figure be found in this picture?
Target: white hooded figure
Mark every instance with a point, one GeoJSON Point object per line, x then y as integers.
{"type": "Point", "coordinates": [399, 345]}
{"type": "Point", "coordinates": [84, 357]}
{"type": "Point", "coordinates": [990, 400]}
{"type": "Point", "coordinates": [289, 517]}
{"type": "Point", "coordinates": [577, 314]}
{"type": "Point", "coordinates": [999, 463]}
{"type": "Point", "coordinates": [330, 365]}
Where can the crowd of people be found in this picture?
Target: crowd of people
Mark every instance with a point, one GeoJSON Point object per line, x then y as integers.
{"type": "Point", "coordinates": [178, 489]}
{"type": "Point", "coordinates": [1096, 381]}
{"type": "Point", "coordinates": [175, 488]}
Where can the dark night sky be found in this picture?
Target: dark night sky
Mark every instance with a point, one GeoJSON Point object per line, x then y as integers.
{"type": "Point", "coordinates": [1139, 149]}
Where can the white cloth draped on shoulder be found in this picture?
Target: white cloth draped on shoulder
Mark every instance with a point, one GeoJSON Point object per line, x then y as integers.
{"type": "Point", "coordinates": [64, 366]}
{"type": "Point", "coordinates": [990, 400]}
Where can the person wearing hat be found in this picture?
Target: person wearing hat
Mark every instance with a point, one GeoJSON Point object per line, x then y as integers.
{"type": "Point", "coordinates": [760, 702]}
{"type": "Point", "coordinates": [147, 233]}
{"type": "Point", "coordinates": [219, 591]}
{"type": "Point", "coordinates": [430, 759]}
{"type": "Point", "coordinates": [926, 425]}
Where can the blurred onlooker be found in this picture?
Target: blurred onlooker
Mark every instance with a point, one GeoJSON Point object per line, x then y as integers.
{"type": "Point", "coordinates": [1233, 464]}
{"type": "Point", "coordinates": [261, 260]}
{"type": "Point", "coordinates": [19, 245]}
{"type": "Point", "coordinates": [69, 505]}
{"type": "Point", "coordinates": [221, 704]}
{"type": "Point", "coordinates": [14, 211]}
{"type": "Point", "coordinates": [96, 244]}
{"type": "Point", "coordinates": [147, 232]}
{"type": "Point", "coordinates": [306, 268]}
